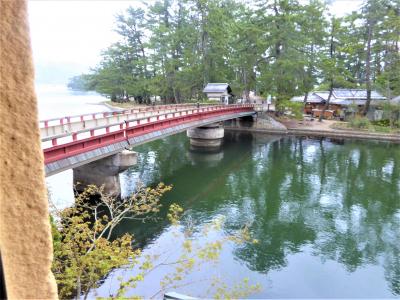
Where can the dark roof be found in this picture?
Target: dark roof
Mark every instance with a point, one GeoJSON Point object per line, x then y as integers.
{"type": "Point", "coordinates": [217, 88]}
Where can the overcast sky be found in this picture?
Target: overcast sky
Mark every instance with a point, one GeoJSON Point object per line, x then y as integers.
{"type": "Point", "coordinates": [73, 33]}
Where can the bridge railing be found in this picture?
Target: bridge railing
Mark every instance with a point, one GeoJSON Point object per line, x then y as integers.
{"type": "Point", "coordinates": [99, 115]}
{"type": "Point", "coordinates": [59, 126]}
{"type": "Point", "coordinates": [72, 143]}
{"type": "Point", "coordinates": [67, 135]}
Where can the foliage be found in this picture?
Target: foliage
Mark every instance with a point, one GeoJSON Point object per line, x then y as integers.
{"type": "Point", "coordinates": [383, 129]}
{"type": "Point", "coordinates": [352, 107]}
{"type": "Point", "coordinates": [384, 18]}
{"type": "Point", "coordinates": [56, 235]}
{"type": "Point", "coordinates": [392, 113]}
{"type": "Point", "coordinates": [291, 108]}
{"type": "Point", "coordinates": [359, 122]}
{"type": "Point", "coordinates": [278, 48]}
{"type": "Point", "coordinates": [85, 250]}
{"type": "Point", "coordinates": [383, 123]}
{"type": "Point", "coordinates": [83, 82]}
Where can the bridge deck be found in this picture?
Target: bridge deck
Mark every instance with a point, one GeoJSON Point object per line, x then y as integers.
{"type": "Point", "coordinates": [73, 149]}
{"type": "Point", "coordinates": [58, 126]}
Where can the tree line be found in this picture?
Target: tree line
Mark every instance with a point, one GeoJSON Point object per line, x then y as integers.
{"type": "Point", "coordinates": [281, 48]}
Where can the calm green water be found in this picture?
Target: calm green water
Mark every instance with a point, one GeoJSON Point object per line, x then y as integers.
{"type": "Point", "coordinates": [326, 214]}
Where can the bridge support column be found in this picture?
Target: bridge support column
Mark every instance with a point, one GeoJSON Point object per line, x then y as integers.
{"type": "Point", "coordinates": [209, 136]}
{"type": "Point", "coordinates": [104, 172]}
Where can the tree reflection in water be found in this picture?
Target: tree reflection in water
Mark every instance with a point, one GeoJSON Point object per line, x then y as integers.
{"type": "Point", "coordinates": [339, 199]}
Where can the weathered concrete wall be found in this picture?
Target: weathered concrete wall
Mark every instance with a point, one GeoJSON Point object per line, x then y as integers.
{"type": "Point", "coordinates": [261, 121]}
{"type": "Point", "coordinates": [206, 136]}
{"type": "Point", "coordinates": [25, 238]}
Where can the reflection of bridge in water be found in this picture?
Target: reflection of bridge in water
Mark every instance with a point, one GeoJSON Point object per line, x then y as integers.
{"type": "Point", "coordinates": [93, 144]}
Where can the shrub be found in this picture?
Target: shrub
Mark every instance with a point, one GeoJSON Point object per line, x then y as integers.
{"type": "Point", "coordinates": [384, 123]}
{"type": "Point", "coordinates": [360, 123]}
{"type": "Point", "coordinates": [385, 129]}
{"type": "Point", "coordinates": [294, 109]}
{"type": "Point", "coordinates": [392, 112]}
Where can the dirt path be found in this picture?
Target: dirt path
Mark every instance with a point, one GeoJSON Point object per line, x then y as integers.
{"type": "Point", "coordinates": [325, 125]}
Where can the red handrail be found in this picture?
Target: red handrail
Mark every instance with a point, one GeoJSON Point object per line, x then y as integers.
{"type": "Point", "coordinates": [127, 130]}
{"type": "Point", "coordinates": [66, 119]}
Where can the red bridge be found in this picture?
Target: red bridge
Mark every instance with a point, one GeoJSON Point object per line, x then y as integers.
{"type": "Point", "coordinates": [73, 141]}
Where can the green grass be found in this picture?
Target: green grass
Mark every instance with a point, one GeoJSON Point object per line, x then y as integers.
{"type": "Point", "coordinates": [369, 128]}
{"type": "Point", "coordinates": [384, 129]}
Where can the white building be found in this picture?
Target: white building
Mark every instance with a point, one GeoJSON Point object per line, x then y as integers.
{"type": "Point", "coordinates": [220, 92]}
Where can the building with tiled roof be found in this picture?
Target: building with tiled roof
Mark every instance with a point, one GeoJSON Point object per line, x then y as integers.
{"type": "Point", "coordinates": [220, 92]}
{"type": "Point", "coordinates": [341, 101]}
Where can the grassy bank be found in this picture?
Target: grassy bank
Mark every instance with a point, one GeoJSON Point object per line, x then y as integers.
{"type": "Point", "coordinates": [365, 127]}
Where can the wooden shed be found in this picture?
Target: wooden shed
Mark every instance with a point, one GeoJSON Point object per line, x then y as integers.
{"type": "Point", "coordinates": [220, 92]}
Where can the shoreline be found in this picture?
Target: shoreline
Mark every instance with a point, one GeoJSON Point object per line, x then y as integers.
{"type": "Point", "coordinates": [282, 129]}
{"type": "Point", "coordinates": [113, 108]}
{"type": "Point", "coordinates": [321, 133]}
{"type": "Point", "coordinates": [266, 123]}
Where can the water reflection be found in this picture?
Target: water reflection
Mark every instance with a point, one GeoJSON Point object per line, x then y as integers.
{"type": "Point", "coordinates": [204, 156]}
{"type": "Point", "coordinates": [332, 204]}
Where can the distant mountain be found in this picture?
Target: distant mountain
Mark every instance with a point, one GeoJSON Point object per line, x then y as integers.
{"type": "Point", "coordinates": [57, 73]}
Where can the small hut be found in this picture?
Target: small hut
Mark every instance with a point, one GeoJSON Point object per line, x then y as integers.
{"type": "Point", "coordinates": [220, 92]}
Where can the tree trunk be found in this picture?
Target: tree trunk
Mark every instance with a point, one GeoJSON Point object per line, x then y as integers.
{"type": "Point", "coordinates": [113, 97]}
{"type": "Point", "coordinates": [278, 50]}
{"type": "Point", "coordinates": [305, 99]}
{"type": "Point", "coordinates": [78, 287]}
{"type": "Point", "coordinates": [246, 89]}
{"type": "Point", "coordinates": [331, 81]}
{"type": "Point", "coordinates": [176, 96]}
{"type": "Point", "coordinates": [203, 42]}
{"type": "Point", "coordinates": [309, 74]}
{"type": "Point", "coordinates": [368, 69]}
{"type": "Point", "coordinates": [327, 102]}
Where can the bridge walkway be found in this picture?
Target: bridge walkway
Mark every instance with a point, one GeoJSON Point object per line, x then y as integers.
{"type": "Point", "coordinates": [68, 124]}
{"type": "Point", "coordinates": [75, 148]}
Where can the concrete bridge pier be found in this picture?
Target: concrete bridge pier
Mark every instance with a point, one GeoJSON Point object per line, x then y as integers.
{"type": "Point", "coordinates": [104, 172]}
{"type": "Point", "coordinates": [208, 136]}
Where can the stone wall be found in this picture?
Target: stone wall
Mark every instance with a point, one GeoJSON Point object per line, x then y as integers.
{"type": "Point", "coordinates": [25, 237]}
{"type": "Point", "coordinates": [261, 121]}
